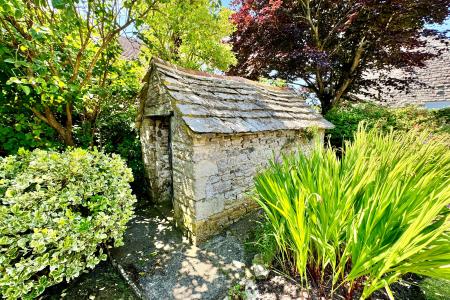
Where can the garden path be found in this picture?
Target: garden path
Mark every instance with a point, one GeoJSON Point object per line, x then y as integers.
{"type": "Point", "coordinates": [160, 264]}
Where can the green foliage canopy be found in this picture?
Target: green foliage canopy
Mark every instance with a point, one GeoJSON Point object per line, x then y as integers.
{"type": "Point", "coordinates": [190, 34]}
{"type": "Point", "coordinates": [59, 55]}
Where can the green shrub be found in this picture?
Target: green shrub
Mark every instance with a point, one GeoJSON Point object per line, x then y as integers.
{"type": "Point", "coordinates": [20, 129]}
{"type": "Point", "coordinates": [57, 212]}
{"type": "Point", "coordinates": [366, 219]}
{"type": "Point", "coordinates": [117, 134]}
{"type": "Point", "coordinates": [346, 118]}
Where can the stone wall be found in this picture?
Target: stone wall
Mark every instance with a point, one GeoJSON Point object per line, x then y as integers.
{"type": "Point", "coordinates": [183, 178]}
{"type": "Point", "coordinates": [212, 174]}
{"type": "Point", "coordinates": [156, 156]}
{"type": "Point", "coordinates": [222, 171]}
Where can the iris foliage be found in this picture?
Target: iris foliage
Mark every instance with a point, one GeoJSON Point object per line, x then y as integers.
{"type": "Point", "coordinates": [360, 222]}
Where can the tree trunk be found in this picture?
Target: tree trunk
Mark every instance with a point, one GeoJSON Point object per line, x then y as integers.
{"type": "Point", "coordinates": [64, 132]}
{"type": "Point", "coordinates": [326, 103]}
{"type": "Point", "coordinates": [68, 139]}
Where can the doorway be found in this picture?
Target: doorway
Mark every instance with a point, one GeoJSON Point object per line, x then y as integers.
{"type": "Point", "coordinates": [156, 139]}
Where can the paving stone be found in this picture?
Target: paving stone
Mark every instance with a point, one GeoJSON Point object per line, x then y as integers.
{"type": "Point", "coordinates": [163, 265]}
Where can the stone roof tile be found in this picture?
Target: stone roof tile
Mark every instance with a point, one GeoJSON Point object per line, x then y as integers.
{"type": "Point", "coordinates": [226, 104]}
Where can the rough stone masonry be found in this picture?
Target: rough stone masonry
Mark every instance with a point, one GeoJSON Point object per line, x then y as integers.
{"type": "Point", "coordinates": [205, 136]}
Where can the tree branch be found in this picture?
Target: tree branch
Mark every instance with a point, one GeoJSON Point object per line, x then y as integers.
{"type": "Point", "coordinates": [348, 79]}
{"type": "Point", "coordinates": [39, 115]}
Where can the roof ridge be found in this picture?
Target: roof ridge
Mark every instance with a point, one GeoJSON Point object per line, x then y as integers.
{"type": "Point", "coordinates": [158, 61]}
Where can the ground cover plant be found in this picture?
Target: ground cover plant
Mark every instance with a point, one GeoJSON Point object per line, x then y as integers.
{"type": "Point", "coordinates": [58, 211]}
{"type": "Point", "coordinates": [356, 224]}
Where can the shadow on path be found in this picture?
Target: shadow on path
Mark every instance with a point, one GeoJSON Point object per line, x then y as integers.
{"type": "Point", "coordinates": [163, 265]}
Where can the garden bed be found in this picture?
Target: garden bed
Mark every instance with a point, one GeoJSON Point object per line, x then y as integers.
{"type": "Point", "coordinates": [277, 286]}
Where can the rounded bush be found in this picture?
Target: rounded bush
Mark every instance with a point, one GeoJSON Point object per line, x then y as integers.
{"type": "Point", "coordinates": [57, 212]}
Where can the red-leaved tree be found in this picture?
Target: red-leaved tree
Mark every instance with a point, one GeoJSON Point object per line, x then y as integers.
{"type": "Point", "coordinates": [328, 45]}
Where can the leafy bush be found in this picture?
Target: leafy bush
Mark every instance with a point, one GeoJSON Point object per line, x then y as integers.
{"type": "Point", "coordinates": [347, 117]}
{"type": "Point", "coordinates": [19, 129]}
{"type": "Point", "coordinates": [117, 134]}
{"type": "Point", "coordinates": [362, 221]}
{"type": "Point", "coordinates": [57, 211]}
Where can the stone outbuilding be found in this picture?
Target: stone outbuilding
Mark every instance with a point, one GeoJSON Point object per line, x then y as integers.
{"type": "Point", "coordinates": [205, 136]}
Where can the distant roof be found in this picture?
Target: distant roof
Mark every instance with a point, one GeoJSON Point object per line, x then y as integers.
{"type": "Point", "coordinates": [130, 47]}
{"type": "Point", "coordinates": [433, 80]}
{"type": "Point", "coordinates": [226, 104]}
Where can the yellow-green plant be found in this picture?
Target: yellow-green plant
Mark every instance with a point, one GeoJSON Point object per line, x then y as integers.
{"type": "Point", "coordinates": [378, 213]}
{"type": "Point", "coordinates": [189, 33]}
{"type": "Point", "coordinates": [57, 211]}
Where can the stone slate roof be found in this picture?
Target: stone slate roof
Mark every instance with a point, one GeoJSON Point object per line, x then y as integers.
{"type": "Point", "coordinates": [227, 104]}
{"type": "Point", "coordinates": [435, 79]}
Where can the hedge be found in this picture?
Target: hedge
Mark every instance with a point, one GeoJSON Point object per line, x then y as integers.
{"type": "Point", "coordinates": [347, 117]}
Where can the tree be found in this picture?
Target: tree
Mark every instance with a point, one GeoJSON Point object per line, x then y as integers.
{"type": "Point", "coordinates": [328, 46]}
{"type": "Point", "coordinates": [61, 53]}
{"type": "Point", "coordinates": [190, 33]}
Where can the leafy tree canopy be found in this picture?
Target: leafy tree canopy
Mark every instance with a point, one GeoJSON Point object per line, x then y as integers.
{"type": "Point", "coordinates": [60, 54]}
{"type": "Point", "coordinates": [61, 65]}
{"type": "Point", "coordinates": [190, 33]}
{"type": "Point", "coordinates": [329, 45]}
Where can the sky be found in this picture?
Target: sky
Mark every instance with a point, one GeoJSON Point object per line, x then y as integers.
{"type": "Point", "coordinates": [226, 3]}
{"type": "Point", "coordinates": [443, 27]}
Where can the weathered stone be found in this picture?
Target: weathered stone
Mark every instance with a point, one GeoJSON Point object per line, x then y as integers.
{"type": "Point", "coordinates": [260, 271]}
{"type": "Point", "coordinates": [214, 134]}
{"type": "Point", "coordinates": [155, 142]}
{"type": "Point", "coordinates": [208, 207]}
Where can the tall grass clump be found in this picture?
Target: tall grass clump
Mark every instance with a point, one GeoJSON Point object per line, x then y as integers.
{"type": "Point", "coordinates": [360, 222]}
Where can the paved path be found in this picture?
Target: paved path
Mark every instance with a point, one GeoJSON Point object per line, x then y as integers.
{"type": "Point", "coordinates": [161, 264]}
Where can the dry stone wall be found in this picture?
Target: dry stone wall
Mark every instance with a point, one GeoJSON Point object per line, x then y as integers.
{"type": "Point", "coordinates": [183, 178]}
{"type": "Point", "coordinates": [156, 156]}
{"type": "Point", "coordinates": [223, 167]}
{"type": "Point", "coordinates": [212, 174]}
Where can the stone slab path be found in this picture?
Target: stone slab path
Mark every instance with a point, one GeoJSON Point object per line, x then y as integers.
{"type": "Point", "coordinates": [160, 264]}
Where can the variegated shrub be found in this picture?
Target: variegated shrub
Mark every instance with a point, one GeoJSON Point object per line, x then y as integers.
{"type": "Point", "coordinates": [57, 212]}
